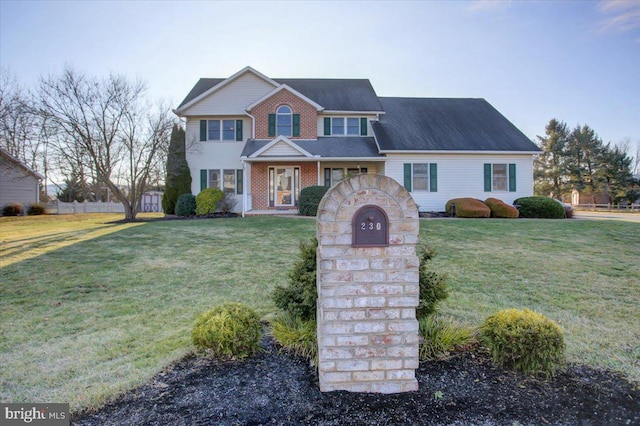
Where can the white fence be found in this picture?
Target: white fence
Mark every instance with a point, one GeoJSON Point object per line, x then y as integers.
{"type": "Point", "coordinates": [58, 207]}
{"type": "Point", "coordinates": [608, 207]}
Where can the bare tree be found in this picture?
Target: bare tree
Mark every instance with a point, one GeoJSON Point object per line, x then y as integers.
{"type": "Point", "coordinates": [110, 130]}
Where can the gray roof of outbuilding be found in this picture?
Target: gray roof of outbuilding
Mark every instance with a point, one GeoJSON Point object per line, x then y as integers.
{"type": "Point", "coordinates": [445, 124]}
{"type": "Point", "coordinates": [332, 94]}
{"type": "Point", "coordinates": [326, 147]}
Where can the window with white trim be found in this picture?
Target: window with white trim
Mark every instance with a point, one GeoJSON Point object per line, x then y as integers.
{"type": "Point", "coordinates": [345, 126]}
{"type": "Point", "coordinates": [227, 180]}
{"type": "Point", "coordinates": [499, 177]}
{"type": "Point", "coordinates": [421, 177]}
{"type": "Point", "coordinates": [284, 121]}
{"type": "Point", "coordinates": [221, 130]}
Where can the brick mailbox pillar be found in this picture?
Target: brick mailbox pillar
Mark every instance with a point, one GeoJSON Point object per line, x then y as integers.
{"type": "Point", "coordinates": [368, 287]}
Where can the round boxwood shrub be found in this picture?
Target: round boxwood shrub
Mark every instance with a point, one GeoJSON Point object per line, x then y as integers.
{"type": "Point", "coordinates": [310, 198]}
{"type": "Point", "coordinates": [232, 330]}
{"type": "Point", "coordinates": [501, 209]}
{"type": "Point", "coordinates": [207, 201]}
{"type": "Point", "coordinates": [524, 340]}
{"type": "Point", "coordinates": [36, 209]}
{"type": "Point", "coordinates": [539, 207]}
{"type": "Point", "coordinates": [13, 209]}
{"type": "Point", "coordinates": [186, 205]}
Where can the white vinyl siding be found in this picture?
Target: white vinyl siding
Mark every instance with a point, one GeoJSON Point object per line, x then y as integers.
{"type": "Point", "coordinates": [462, 175]}
{"type": "Point", "coordinates": [232, 98]}
{"type": "Point", "coordinates": [17, 185]}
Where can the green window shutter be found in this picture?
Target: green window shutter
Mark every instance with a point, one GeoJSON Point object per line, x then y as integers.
{"type": "Point", "coordinates": [239, 182]}
{"type": "Point", "coordinates": [203, 180]}
{"type": "Point", "coordinates": [363, 126]}
{"type": "Point", "coordinates": [327, 178]}
{"type": "Point", "coordinates": [512, 177]}
{"type": "Point", "coordinates": [203, 130]}
{"type": "Point", "coordinates": [487, 177]}
{"type": "Point", "coordinates": [433, 177]}
{"type": "Point", "coordinates": [272, 125]}
{"type": "Point", "coordinates": [327, 126]}
{"type": "Point", "coordinates": [239, 130]}
{"type": "Point", "coordinates": [407, 176]}
{"type": "Point", "coordinates": [296, 124]}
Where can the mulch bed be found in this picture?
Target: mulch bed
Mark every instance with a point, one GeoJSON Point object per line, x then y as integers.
{"type": "Point", "coordinates": [274, 388]}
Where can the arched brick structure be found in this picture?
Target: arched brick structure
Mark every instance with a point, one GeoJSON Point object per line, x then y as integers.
{"type": "Point", "coordinates": [367, 327]}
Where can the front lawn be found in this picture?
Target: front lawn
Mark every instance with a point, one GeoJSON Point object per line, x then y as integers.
{"type": "Point", "coordinates": [89, 310]}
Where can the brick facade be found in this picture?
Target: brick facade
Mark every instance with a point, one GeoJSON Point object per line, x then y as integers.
{"type": "Point", "coordinates": [260, 181]}
{"type": "Point", "coordinates": [308, 115]}
{"type": "Point", "coordinates": [367, 328]}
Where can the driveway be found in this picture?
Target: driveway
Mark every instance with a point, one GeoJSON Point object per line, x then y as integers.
{"type": "Point", "coordinates": [627, 217]}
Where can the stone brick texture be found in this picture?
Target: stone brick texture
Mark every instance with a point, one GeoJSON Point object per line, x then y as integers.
{"type": "Point", "coordinates": [367, 327]}
{"type": "Point", "coordinates": [260, 181]}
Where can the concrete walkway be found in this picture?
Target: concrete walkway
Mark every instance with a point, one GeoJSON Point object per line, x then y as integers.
{"type": "Point", "coordinates": [626, 217]}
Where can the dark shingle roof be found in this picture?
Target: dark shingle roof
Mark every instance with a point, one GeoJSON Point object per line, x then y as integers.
{"type": "Point", "coordinates": [326, 147]}
{"type": "Point", "coordinates": [440, 124]}
{"type": "Point", "coordinates": [332, 94]}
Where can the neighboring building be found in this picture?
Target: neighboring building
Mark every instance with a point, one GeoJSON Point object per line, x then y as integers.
{"type": "Point", "coordinates": [265, 139]}
{"type": "Point", "coordinates": [18, 182]}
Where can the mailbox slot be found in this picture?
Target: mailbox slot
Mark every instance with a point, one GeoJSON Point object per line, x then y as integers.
{"type": "Point", "coordinates": [370, 227]}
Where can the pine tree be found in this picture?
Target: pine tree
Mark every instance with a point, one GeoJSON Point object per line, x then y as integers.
{"type": "Point", "coordinates": [178, 180]}
{"type": "Point", "coordinates": [550, 167]}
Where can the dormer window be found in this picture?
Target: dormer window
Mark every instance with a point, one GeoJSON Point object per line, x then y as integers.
{"type": "Point", "coordinates": [345, 126]}
{"type": "Point", "coordinates": [284, 121]}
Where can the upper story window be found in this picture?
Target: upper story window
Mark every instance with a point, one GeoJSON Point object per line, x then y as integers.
{"type": "Point", "coordinates": [341, 126]}
{"type": "Point", "coordinates": [221, 130]}
{"type": "Point", "coordinates": [284, 121]}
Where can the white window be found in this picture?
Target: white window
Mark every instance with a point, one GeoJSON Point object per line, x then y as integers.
{"type": "Point", "coordinates": [229, 181]}
{"type": "Point", "coordinates": [284, 121]}
{"type": "Point", "coordinates": [353, 126]}
{"type": "Point", "coordinates": [214, 179]}
{"type": "Point", "coordinates": [420, 177]}
{"type": "Point", "coordinates": [499, 177]}
{"type": "Point", "coordinates": [221, 130]}
{"type": "Point", "coordinates": [337, 125]}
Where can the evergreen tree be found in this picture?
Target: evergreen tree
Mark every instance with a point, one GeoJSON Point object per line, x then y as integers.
{"type": "Point", "coordinates": [178, 179]}
{"type": "Point", "coordinates": [616, 174]}
{"type": "Point", "coordinates": [550, 167]}
{"type": "Point", "coordinates": [585, 156]}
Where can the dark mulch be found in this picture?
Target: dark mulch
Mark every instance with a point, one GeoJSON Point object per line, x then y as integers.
{"type": "Point", "coordinates": [277, 389]}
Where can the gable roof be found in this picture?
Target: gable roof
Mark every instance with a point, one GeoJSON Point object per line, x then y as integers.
{"type": "Point", "coordinates": [20, 164]}
{"type": "Point", "coordinates": [444, 124]}
{"type": "Point", "coordinates": [324, 147]}
{"type": "Point", "coordinates": [290, 90]}
{"type": "Point", "coordinates": [355, 95]}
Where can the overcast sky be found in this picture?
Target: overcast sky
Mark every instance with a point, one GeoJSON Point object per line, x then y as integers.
{"type": "Point", "coordinates": [577, 61]}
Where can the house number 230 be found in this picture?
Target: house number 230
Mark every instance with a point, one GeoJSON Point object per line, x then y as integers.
{"type": "Point", "coordinates": [371, 226]}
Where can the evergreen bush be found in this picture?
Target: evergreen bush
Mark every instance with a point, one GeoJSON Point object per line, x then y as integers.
{"type": "Point", "coordinates": [207, 201]}
{"type": "Point", "coordinates": [186, 205]}
{"type": "Point", "coordinates": [524, 340]}
{"type": "Point", "coordinates": [13, 209]}
{"type": "Point", "coordinates": [310, 198]}
{"type": "Point", "coordinates": [37, 209]}
{"type": "Point", "coordinates": [500, 209]}
{"type": "Point", "coordinates": [178, 179]}
{"type": "Point", "coordinates": [299, 297]}
{"type": "Point", "coordinates": [467, 207]}
{"type": "Point", "coordinates": [232, 330]}
{"type": "Point", "coordinates": [433, 285]}
{"type": "Point", "coordinates": [539, 207]}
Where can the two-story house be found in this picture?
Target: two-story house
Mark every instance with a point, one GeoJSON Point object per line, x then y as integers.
{"type": "Point", "coordinates": [265, 139]}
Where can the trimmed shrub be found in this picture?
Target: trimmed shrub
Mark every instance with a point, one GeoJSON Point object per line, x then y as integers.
{"type": "Point", "coordinates": [186, 205]}
{"type": "Point", "coordinates": [299, 297]}
{"type": "Point", "coordinates": [232, 330]}
{"type": "Point", "coordinates": [433, 286]}
{"type": "Point", "coordinates": [524, 340]}
{"type": "Point", "coordinates": [501, 209]}
{"type": "Point", "coordinates": [539, 207]}
{"type": "Point", "coordinates": [13, 209]}
{"type": "Point", "coordinates": [296, 335]}
{"type": "Point", "coordinates": [310, 198]}
{"type": "Point", "coordinates": [442, 338]}
{"type": "Point", "coordinates": [207, 201]}
{"type": "Point", "coordinates": [36, 210]}
{"type": "Point", "coordinates": [467, 207]}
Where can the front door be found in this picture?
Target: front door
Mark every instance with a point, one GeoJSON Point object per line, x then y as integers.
{"type": "Point", "coordinates": [284, 186]}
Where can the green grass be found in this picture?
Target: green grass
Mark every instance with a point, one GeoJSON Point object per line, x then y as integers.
{"type": "Point", "coordinates": [89, 310]}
